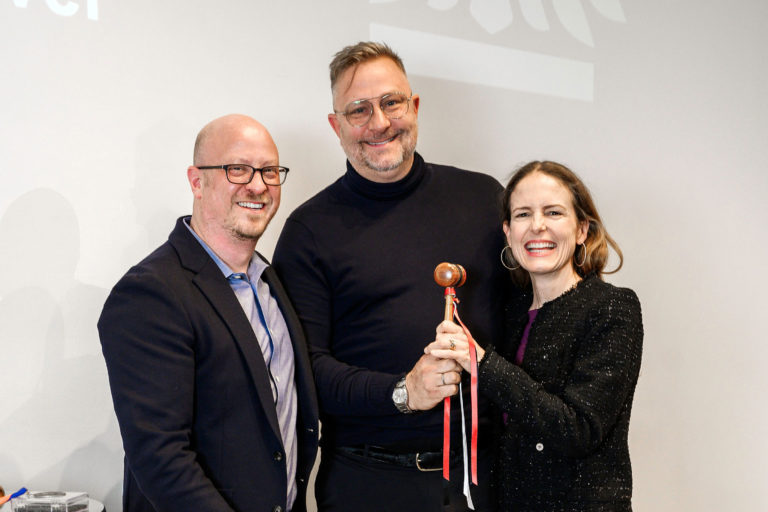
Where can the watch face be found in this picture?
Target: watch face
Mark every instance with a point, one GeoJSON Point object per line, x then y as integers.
{"type": "Point", "coordinates": [399, 395]}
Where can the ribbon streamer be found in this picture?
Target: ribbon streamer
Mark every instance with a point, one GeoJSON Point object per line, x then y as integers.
{"type": "Point", "coordinates": [467, 493]}
{"type": "Point", "coordinates": [473, 400]}
{"type": "Point", "coordinates": [450, 295]}
{"type": "Point", "coordinates": [472, 388]}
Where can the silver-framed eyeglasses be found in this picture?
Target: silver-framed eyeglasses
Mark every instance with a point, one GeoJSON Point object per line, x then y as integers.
{"type": "Point", "coordinates": [242, 174]}
{"type": "Point", "coordinates": [394, 105]}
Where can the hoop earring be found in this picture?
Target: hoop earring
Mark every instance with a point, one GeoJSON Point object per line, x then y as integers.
{"type": "Point", "coordinates": [504, 261]}
{"type": "Point", "coordinates": [584, 258]}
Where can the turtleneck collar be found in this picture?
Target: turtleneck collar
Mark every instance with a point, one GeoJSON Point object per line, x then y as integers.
{"type": "Point", "coordinates": [385, 191]}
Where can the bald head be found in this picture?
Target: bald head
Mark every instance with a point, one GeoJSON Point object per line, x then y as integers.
{"type": "Point", "coordinates": [226, 128]}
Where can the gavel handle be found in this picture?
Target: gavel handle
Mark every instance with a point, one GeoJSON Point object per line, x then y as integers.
{"type": "Point", "coordinates": [448, 307]}
{"type": "Point", "coordinates": [449, 296]}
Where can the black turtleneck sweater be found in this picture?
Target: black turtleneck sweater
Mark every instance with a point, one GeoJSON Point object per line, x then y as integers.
{"type": "Point", "coordinates": [357, 260]}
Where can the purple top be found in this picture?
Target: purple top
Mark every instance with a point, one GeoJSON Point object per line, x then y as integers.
{"type": "Point", "coordinates": [521, 349]}
{"type": "Point", "coordinates": [524, 341]}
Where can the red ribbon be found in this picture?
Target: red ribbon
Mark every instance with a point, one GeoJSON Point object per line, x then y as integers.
{"type": "Point", "coordinates": [447, 411]}
{"type": "Point", "coordinates": [473, 398]}
{"type": "Point", "coordinates": [472, 391]}
{"type": "Point", "coordinates": [446, 437]}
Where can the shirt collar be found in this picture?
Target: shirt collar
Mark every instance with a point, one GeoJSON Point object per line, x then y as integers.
{"type": "Point", "coordinates": [256, 266]}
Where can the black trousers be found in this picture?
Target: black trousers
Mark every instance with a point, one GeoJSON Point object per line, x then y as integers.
{"type": "Point", "coordinates": [352, 483]}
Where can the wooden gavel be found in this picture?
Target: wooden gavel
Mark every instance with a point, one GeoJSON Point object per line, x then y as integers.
{"type": "Point", "coordinates": [448, 275]}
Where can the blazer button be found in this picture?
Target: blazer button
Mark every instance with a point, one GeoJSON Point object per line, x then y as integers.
{"type": "Point", "coordinates": [278, 456]}
{"type": "Point", "coordinates": [311, 430]}
{"type": "Point", "coordinates": [539, 447]}
{"type": "Point", "coordinates": [277, 508]}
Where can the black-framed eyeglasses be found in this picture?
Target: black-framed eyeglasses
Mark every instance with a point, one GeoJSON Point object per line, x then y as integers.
{"type": "Point", "coordinates": [242, 174]}
{"type": "Point", "coordinates": [394, 105]}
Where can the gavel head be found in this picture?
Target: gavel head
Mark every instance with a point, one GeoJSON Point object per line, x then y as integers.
{"type": "Point", "coordinates": [450, 274]}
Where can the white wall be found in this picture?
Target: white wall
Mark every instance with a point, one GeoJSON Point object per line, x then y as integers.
{"type": "Point", "coordinates": [660, 106]}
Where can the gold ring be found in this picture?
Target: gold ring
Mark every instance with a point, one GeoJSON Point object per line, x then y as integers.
{"type": "Point", "coordinates": [453, 343]}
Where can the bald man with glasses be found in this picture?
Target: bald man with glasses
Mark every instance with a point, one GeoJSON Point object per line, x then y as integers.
{"type": "Point", "coordinates": [208, 367]}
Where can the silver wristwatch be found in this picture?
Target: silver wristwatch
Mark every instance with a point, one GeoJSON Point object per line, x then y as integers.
{"type": "Point", "coordinates": [400, 397]}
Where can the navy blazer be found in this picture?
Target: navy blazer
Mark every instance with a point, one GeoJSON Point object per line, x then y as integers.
{"type": "Point", "coordinates": [191, 389]}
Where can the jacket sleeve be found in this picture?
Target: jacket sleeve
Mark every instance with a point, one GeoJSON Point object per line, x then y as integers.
{"type": "Point", "coordinates": [342, 388]}
{"type": "Point", "coordinates": [603, 373]}
{"type": "Point", "coordinates": [148, 344]}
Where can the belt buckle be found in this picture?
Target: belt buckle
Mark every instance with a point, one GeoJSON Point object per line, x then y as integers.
{"type": "Point", "coordinates": [425, 470]}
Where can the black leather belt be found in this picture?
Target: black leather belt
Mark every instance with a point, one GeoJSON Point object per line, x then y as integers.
{"type": "Point", "coordinates": [423, 461]}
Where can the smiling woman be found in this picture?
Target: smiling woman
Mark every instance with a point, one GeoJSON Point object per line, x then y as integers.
{"type": "Point", "coordinates": [544, 230]}
{"type": "Point", "coordinates": [566, 376]}
{"type": "Point", "coordinates": [547, 198]}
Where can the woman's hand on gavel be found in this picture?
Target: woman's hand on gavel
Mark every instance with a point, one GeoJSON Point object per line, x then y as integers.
{"type": "Point", "coordinates": [452, 343]}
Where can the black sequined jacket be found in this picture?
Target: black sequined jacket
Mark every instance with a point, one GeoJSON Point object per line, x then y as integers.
{"type": "Point", "coordinates": [564, 443]}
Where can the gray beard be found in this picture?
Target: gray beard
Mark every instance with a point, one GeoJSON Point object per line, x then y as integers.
{"type": "Point", "coordinates": [408, 151]}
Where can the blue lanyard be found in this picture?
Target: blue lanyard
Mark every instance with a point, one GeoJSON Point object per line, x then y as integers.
{"type": "Point", "coordinates": [263, 321]}
{"type": "Point", "coordinates": [266, 327]}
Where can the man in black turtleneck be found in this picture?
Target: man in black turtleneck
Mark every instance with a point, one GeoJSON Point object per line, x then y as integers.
{"type": "Point", "coordinates": [357, 260]}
